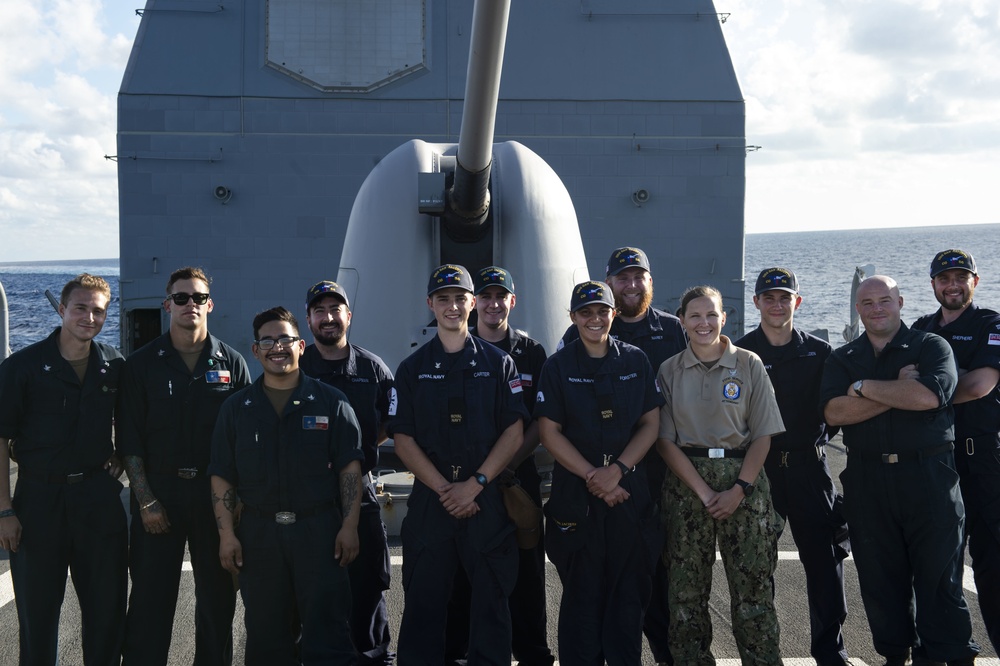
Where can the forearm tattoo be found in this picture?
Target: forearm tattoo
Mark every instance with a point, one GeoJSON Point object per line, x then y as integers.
{"type": "Point", "coordinates": [137, 479]}
{"type": "Point", "coordinates": [229, 500]}
{"type": "Point", "coordinates": [348, 491]}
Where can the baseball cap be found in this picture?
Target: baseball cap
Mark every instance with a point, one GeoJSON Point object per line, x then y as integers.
{"type": "Point", "coordinates": [781, 279]}
{"type": "Point", "coordinates": [948, 259]}
{"type": "Point", "coordinates": [625, 257]}
{"type": "Point", "coordinates": [494, 275]}
{"type": "Point", "coordinates": [449, 275]}
{"type": "Point", "coordinates": [587, 293]}
{"type": "Point", "coordinates": [325, 288]}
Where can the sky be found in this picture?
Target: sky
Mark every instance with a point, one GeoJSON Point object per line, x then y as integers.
{"type": "Point", "coordinates": [869, 113]}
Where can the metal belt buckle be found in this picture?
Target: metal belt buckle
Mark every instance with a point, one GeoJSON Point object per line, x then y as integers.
{"type": "Point", "coordinates": [187, 472]}
{"type": "Point", "coordinates": [607, 459]}
{"type": "Point", "coordinates": [970, 446]}
{"type": "Point", "coordinates": [890, 458]}
{"type": "Point", "coordinates": [716, 453]}
{"type": "Point", "coordinates": [74, 478]}
{"type": "Point", "coordinates": [284, 517]}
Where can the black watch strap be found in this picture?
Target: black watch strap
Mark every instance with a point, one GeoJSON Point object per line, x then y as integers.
{"type": "Point", "coordinates": [481, 479]}
{"type": "Point", "coordinates": [747, 487]}
{"type": "Point", "coordinates": [626, 470]}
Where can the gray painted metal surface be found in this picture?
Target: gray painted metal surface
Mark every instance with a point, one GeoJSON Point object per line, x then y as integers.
{"type": "Point", "coordinates": [615, 96]}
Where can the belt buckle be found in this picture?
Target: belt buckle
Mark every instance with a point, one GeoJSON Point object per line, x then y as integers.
{"type": "Point", "coordinates": [284, 517]}
{"type": "Point", "coordinates": [890, 458]}
{"type": "Point", "coordinates": [187, 472]}
{"type": "Point", "coordinates": [716, 453]}
{"type": "Point", "coordinates": [970, 446]}
{"type": "Point", "coordinates": [74, 478]}
{"type": "Point", "coordinates": [784, 459]}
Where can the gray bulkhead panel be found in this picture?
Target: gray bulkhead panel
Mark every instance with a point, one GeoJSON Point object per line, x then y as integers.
{"type": "Point", "coordinates": [616, 95]}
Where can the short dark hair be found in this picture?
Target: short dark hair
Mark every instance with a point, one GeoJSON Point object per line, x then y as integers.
{"type": "Point", "coordinates": [187, 273]}
{"type": "Point", "coordinates": [274, 314]}
{"type": "Point", "coordinates": [698, 292]}
{"type": "Point", "coordinates": [85, 281]}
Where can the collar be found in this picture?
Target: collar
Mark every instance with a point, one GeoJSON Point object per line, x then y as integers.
{"type": "Point", "coordinates": [727, 360]}
{"type": "Point", "coordinates": [350, 368]}
{"type": "Point", "coordinates": [212, 350]}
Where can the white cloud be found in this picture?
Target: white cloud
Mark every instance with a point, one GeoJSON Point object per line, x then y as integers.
{"type": "Point", "coordinates": [870, 112]}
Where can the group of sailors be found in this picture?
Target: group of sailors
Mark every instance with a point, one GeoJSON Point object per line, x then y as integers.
{"type": "Point", "coordinates": [670, 441]}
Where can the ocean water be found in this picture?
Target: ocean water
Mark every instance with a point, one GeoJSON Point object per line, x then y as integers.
{"type": "Point", "coordinates": [32, 318]}
{"type": "Point", "coordinates": [824, 262]}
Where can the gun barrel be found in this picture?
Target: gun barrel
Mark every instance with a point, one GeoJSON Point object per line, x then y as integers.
{"type": "Point", "coordinates": [470, 196]}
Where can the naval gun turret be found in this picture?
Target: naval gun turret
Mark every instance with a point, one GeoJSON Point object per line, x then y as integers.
{"type": "Point", "coordinates": [474, 203]}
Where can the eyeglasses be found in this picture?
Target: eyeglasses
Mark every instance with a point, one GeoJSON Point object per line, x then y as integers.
{"type": "Point", "coordinates": [268, 343]}
{"type": "Point", "coordinates": [180, 298]}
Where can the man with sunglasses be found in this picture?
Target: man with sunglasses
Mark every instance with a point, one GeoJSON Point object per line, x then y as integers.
{"type": "Point", "coordinates": [289, 447]}
{"type": "Point", "coordinates": [173, 389]}
{"type": "Point", "coordinates": [366, 381]}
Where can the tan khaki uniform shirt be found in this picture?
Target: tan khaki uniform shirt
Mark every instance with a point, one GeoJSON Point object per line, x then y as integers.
{"type": "Point", "coordinates": [726, 406]}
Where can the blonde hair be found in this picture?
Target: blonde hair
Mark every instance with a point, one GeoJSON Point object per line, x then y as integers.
{"type": "Point", "coordinates": [85, 281]}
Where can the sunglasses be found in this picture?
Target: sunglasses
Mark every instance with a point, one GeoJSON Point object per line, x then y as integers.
{"type": "Point", "coordinates": [180, 298]}
{"type": "Point", "coordinates": [268, 343]}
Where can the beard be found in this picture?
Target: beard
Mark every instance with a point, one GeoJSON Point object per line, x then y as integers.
{"type": "Point", "coordinates": [952, 304]}
{"type": "Point", "coordinates": [331, 339]}
{"type": "Point", "coordinates": [637, 309]}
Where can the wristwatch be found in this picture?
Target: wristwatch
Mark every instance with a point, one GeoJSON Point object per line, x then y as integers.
{"type": "Point", "coordinates": [623, 467]}
{"type": "Point", "coordinates": [748, 488]}
{"type": "Point", "coordinates": [481, 479]}
{"type": "Point", "coordinates": [857, 387]}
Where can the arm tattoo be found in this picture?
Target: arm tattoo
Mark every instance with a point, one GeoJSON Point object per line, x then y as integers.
{"type": "Point", "coordinates": [137, 479]}
{"type": "Point", "coordinates": [230, 500]}
{"type": "Point", "coordinates": [348, 492]}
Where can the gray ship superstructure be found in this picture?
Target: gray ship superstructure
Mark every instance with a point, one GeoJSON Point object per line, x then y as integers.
{"type": "Point", "coordinates": [247, 129]}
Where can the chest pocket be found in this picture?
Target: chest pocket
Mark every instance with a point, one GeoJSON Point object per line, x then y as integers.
{"type": "Point", "coordinates": [310, 452]}
{"type": "Point", "coordinates": [615, 411]}
{"type": "Point", "coordinates": [251, 457]}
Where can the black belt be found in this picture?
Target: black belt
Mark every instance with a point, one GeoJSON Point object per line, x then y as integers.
{"type": "Point", "coordinates": [179, 472]}
{"type": "Point", "coordinates": [288, 517]}
{"type": "Point", "coordinates": [64, 479]}
{"type": "Point", "coordinates": [906, 456]}
{"type": "Point", "coordinates": [703, 452]}
{"type": "Point", "coordinates": [796, 458]}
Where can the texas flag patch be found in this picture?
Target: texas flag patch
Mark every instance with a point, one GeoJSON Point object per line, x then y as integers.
{"type": "Point", "coordinates": [218, 377]}
{"type": "Point", "coordinates": [315, 422]}
{"type": "Point", "coordinates": [994, 339]}
{"type": "Point", "coordinates": [526, 380]}
{"type": "Point", "coordinates": [515, 385]}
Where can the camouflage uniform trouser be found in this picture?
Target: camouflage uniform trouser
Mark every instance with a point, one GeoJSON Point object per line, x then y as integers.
{"type": "Point", "coordinates": [748, 543]}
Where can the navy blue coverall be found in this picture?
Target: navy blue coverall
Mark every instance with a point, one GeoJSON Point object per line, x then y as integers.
{"type": "Point", "coordinates": [605, 556]}
{"type": "Point", "coordinates": [455, 407]}
{"type": "Point", "coordinates": [290, 463]}
{"type": "Point", "coordinates": [366, 381]}
{"type": "Point", "coordinates": [802, 489]}
{"type": "Point", "coordinates": [660, 335]}
{"type": "Point", "coordinates": [975, 339]}
{"type": "Point", "coordinates": [166, 418]}
{"type": "Point", "coordinates": [903, 502]}
{"type": "Point", "coordinates": [69, 506]}
{"type": "Point", "coordinates": [527, 601]}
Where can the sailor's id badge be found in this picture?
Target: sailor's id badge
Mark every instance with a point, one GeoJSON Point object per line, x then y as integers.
{"type": "Point", "coordinates": [218, 377]}
{"type": "Point", "coordinates": [315, 422]}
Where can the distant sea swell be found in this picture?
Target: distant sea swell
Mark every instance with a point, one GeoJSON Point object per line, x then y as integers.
{"type": "Point", "coordinates": [824, 262]}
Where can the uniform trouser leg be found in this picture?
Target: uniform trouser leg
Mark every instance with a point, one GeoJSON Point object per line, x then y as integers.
{"type": "Point", "coordinates": [656, 625]}
{"type": "Point", "coordinates": [98, 562]}
{"type": "Point", "coordinates": [981, 491]}
{"type": "Point", "coordinates": [529, 624]}
{"type": "Point", "coordinates": [527, 609]}
{"type": "Point", "coordinates": [38, 571]}
{"type": "Point", "coordinates": [322, 592]}
{"type": "Point", "coordinates": [906, 524]}
{"type": "Point", "coordinates": [689, 554]}
{"type": "Point", "coordinates": [605, 591]}
{"type": "Point", "coordinates": [434, 546]}
{"type": "Point", "coordinates": [155, 569]}
{"type": "Point", "coordinates": [805, 496]}
{"type": "Point", "coordinates": [267, 588]}
{"type": "Point", "coordinates": [748, 544]}
{"type": "Point", "coordinates": [215, 596]}
{"type": "Point", "coordinates": [369, 579]}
